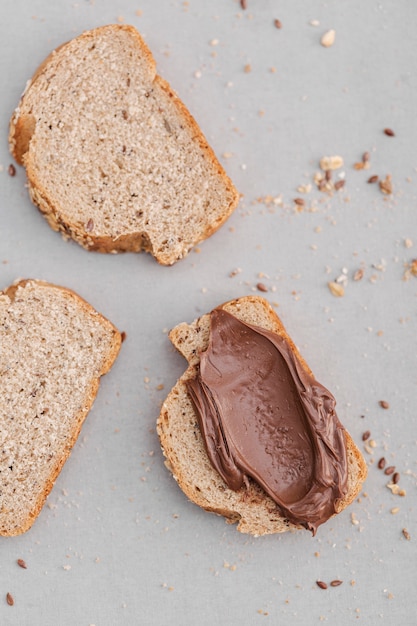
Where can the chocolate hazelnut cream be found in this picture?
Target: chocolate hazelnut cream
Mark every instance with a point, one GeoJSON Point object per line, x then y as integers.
{"type": "Point", "coordinates": [262, 416]}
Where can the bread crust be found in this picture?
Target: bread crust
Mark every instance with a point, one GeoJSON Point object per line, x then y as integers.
{"type": "Point", "coordinates": [88, 400]}
{"type": "Point", "coordinates": [182, 445]}
{"type": "Point", "coordinates": [22, 130]}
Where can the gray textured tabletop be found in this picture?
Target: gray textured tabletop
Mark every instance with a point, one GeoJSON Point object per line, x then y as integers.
{"type": "Point", "coordinates": [118, 542]}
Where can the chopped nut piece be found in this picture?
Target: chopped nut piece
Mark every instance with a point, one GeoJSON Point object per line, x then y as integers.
{"type": "Point", "coordinates": [336, 289]}
{"type": "Point", "coordinates": [395, 510]}
{"type": "Point", "coordinates": [358, 275]}
{"type": "Point", "coordinates": [331, 162]}
{"type": "Point", "coordinates": [328, 38]}
{"type": "Point", "coordinates": [386, 185]}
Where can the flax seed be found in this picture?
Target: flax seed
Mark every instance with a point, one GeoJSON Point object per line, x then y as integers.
{"type": "Point", "coordinates": [21, 563]}
{"type": "Point", "coordinates": [261, 287]}
{"type": "Point", "coordinates": [381, 463]}
{"type": "Point", "coordinates": [321, 584]}
{"type": "Point", "coordinates": [277, 23]}
{"type": "Point", "coordinates": [9, 599]}
{"type": "Point", "coordinates": [11, 170]}
{"type": "Point", "coordinates": [366, 435]}
{"type": "Point", "coordinates": [89, 226]}
{"type": "Point", "coordinates": [396, 478]}
{"type": "Point", "coordinates": [389, 132]}
{"type": "Point", "coordinates": [336, 583]}
{"type": "Point", "coordinates": [299, 201]}
{"type": "Point", "coordinates": [406, 534]}
{"type": "Point", "coordinates": [384, 404]}
{"type": "Point", "coordinates": [373, 179]}
{"type": "Point", "coordinates": [389, 470]}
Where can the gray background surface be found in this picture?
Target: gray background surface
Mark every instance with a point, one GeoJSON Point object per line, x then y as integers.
{"type": "Point", "coordinates": [118, 542]}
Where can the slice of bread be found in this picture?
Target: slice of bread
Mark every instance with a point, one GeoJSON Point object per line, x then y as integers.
{"type": "Point", "coordinates": [182, 444]}
{"type": "Point", "coordinates": [53, 349]}
{"type": "Point", "coordinates": [114, 159]}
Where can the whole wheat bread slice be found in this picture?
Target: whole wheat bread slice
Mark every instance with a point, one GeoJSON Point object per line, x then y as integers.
{"type": "Point", "coordinates": [114, 159]}
{"type": "Point", "coordinates": [182, 444]}
{"type": "Point", "coordinates": [53, 349]}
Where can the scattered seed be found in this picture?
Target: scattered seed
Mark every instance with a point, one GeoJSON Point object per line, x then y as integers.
{"type": "Point", "coordinates": [9, 599]}
{"type": "Point", "coordinates": [373, 179]}
{"type": "Point", "coordinates": [366, 157]}
{"type": "Point", "coordinates": [406, 534]}
{"type": "Point", "coordinates": [12, 170]}
{"type": "Point", "coordinates": [299, 201]}
{"type": "Point", "coordinates": [366, 435]}
{"type": "Point", "coordinates": [277, 23]}
{"type": "Point", "coordinates": [395, 510]}
{"type": "Point", "coordinates": [386, 185]}
{"type": "Point", "coordinates": [123, 336]}
{"type": "Point", "coordinates": [243, 4]}
{"type": "Point", "coordinates": [389, 132]}
{"type": "Point", "coordinates": [21, 563]}
{"type": "Point", "coordinates": [321, 584]}
{"type": "Point", "coordinates": [328, 38]}
{"type": "Point", "coordinates": [339, 184]}
{"type": "Point", "coordinates": [384, 404]}
{"type": "Point", "coordinates": [381, 463]}
{"type": "Point", "coordinates": [261, 287]}
{"type": "Point", "coordinates": [396, 478]}
{"type": "Point", "coordinates": [336, 583]}
{"type": "Point", "coordinates": [89, 226]}
{"type": "Point", "coordinates": [248, 68]}
{"type": "Point", "coordinates": [336, 289]}
{"type": "Point", "coordinates": [389, 470]}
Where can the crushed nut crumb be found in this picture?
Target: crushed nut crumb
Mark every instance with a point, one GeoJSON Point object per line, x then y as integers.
{"type": "Point", "coordinates": [328, 38]}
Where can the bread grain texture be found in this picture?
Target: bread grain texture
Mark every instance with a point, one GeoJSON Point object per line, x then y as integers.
{"type": "Point", "coordinates": [182, 444]}
{"type": "Point", "coordinates": [113, 157]}
{"type": "Point", "coordinates": [54, 347]}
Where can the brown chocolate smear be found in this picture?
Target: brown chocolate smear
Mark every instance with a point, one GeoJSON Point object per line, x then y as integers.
{"type": "Point", "coordinates": [262, 416]}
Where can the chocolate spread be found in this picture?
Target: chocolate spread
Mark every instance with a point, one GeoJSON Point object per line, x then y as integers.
{"type": "Point", "coordinates": [263, 416]}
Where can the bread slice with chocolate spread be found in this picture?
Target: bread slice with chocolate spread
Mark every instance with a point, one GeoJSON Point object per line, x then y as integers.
{"type": "Point", "coordinates": [54, 347]}
{"type": "Point", "coordinates": [113, 157]}
{"type": "Point", "coordinates": [254, 511]}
